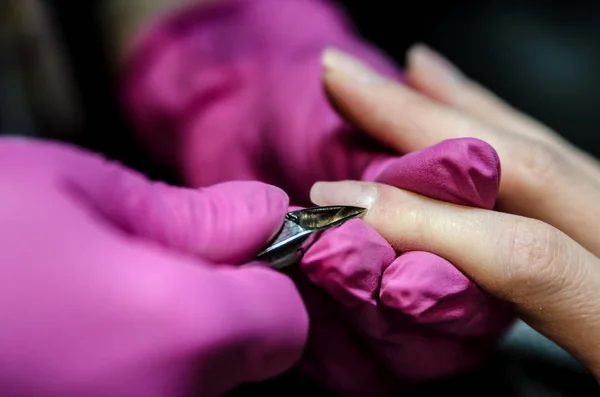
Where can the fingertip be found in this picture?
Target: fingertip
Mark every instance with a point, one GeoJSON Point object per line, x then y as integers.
{"type": "Point", "coordinates": [277, 199]}
{"type": "Point", "coordinates": [484, 170]}
{"type": "Point", "coordinates": [328, 57]}
{"type": "Point", "coordinates": [237, 218]}
{"type": "Point", "coordinates": [353, 193]}
{"type": "Point", "coordinates": [431, 67]}
{"type": "Point", "coordinates": [480, 155]}
{"type": "Point", "coordinates": [464, 171]}
{"type": "Point", "coordinates": [352, 69]}
{"type": "Point", "coordinates": [479, 146]}
{"type": "Point", "coordinates": [412, 59]}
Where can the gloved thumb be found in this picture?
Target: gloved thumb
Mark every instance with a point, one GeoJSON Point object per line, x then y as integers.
{"type": "Point", "coordinates": [225, 223]}
{"type": "Point", "coordinates": [242, 324]}
{"type": "Point", "coordinates": [230, 324]}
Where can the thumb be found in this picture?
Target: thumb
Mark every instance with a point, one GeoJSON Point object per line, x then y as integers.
{"type": "Point", "coordinates": [268, 317]}
{"type": "Point", "coordinates": [174, 323]}
{"type": "Point", "coordinates": [225, 223]}
{"type": "Point", "coordinates": [240, 324]}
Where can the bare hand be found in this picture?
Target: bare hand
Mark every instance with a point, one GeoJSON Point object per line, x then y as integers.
{"type": "Point", "coordinates": [541, 255]}
{"type": "Point", "coordinates": [543, 177]}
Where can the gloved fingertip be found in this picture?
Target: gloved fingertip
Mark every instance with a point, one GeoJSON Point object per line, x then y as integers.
{"type": "Point", "coordinates": [463, 171]}
{"type": "Point", "coordinates": [431, 291]}
{"type": "Point", "coordinates": [237, 219]}
{"type": "Point", "coordinates": [484, 169]}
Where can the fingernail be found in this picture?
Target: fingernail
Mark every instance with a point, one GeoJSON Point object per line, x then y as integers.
{"type": "Point", "coordinates": [433, 65]}
{"type": "Point", "coordinates": [338, 61]}
{"type": "Point", "coordinates": [352, 193]}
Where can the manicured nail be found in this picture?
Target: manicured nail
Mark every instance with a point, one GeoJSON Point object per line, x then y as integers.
{"type": "Point", "coordinates": [352, 193]}
{"type": "Point", "coordinates": [338, 61]}
{"type": "Point", "coordinates": [433, 65]}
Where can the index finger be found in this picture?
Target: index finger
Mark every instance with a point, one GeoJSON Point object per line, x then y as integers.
{"type": "Point", "coordinates": [550, 278]}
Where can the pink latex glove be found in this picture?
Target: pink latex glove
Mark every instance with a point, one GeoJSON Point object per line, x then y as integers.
{"type": "Point", "coordinates": [109, 284]}
{"type": "Point", "coordinates": [233, 91]}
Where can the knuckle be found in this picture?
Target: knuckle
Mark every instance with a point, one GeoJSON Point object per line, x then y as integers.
{"type": "Point", "coordinates": [536, 256]}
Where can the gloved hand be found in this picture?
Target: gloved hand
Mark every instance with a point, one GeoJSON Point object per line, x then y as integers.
{"type": "Point", "coordinates": [381, 323]}
{"type": "Point", "coordinates": [112, 285]}
{"type": "Point", "coordinates": [233, 91]}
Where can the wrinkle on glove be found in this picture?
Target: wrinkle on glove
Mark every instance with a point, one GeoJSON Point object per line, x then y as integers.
{"type": "Point", "coordinates": [104, 293]}
{"type": "Point", "coordinates": [233, 91]}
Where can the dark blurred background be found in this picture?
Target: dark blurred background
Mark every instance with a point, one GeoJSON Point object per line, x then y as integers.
{"type": "Point", "coordinates": [543, 57]}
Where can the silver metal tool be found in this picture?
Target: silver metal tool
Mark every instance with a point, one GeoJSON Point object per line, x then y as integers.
{"type": "Point", "coordinates": [300, 230]}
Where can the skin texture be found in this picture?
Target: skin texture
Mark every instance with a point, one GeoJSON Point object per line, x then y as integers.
{"type": "Point", "coordinates": [542, 256]}
{"type": "Point", "coordinates": [233, 91]}
{"type": "Point", "coordinates": [112, 285]}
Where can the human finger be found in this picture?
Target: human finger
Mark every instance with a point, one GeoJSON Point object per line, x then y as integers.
{"type": "Point", "coordinates": [551, 279]}
{"type": "Point", "coordinates": [424, 286]}
{"type": "Point", "coordinates": [538, 181]}
{"type": "Point", "coordinates": [433, 75]}
{"type": "Point", "coordinates": [227, 222]}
